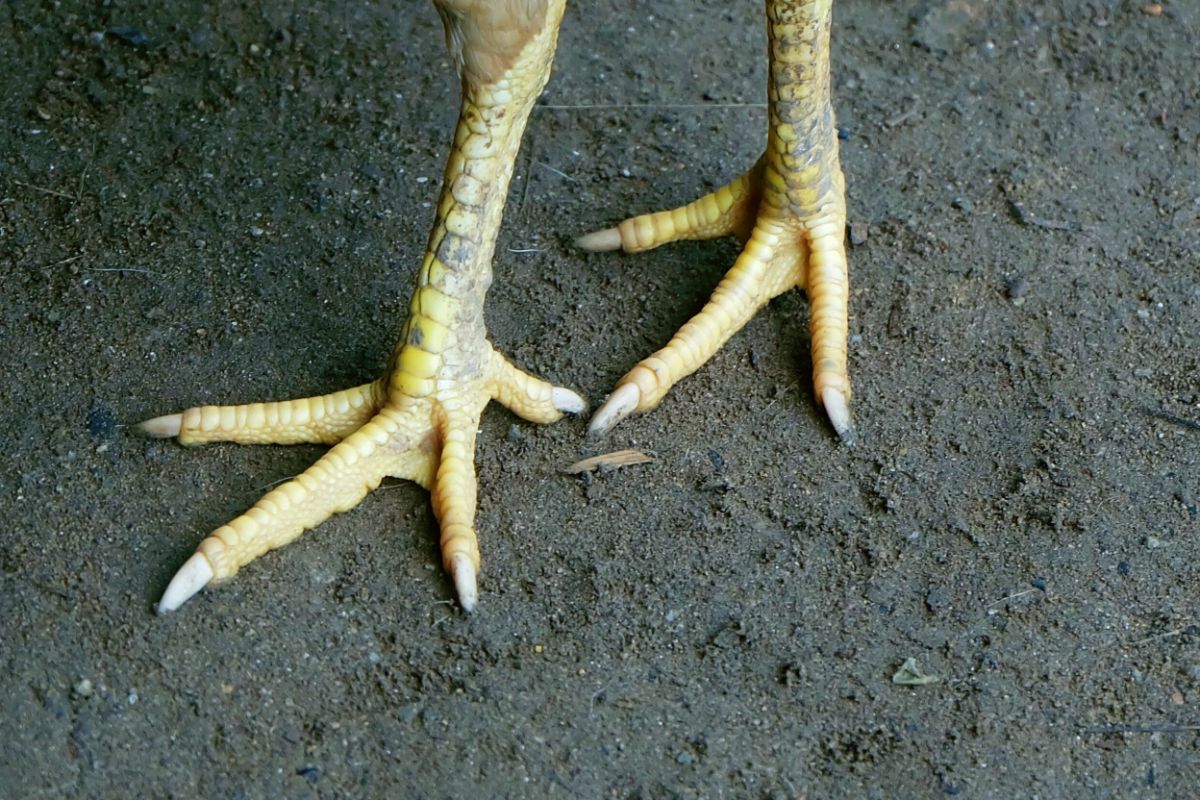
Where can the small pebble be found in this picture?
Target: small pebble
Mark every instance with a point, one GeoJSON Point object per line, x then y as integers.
{"type": "Point", "coordinates": [937, 600]}
{"type": "Point", "coordinates": [200, 38]}
{"type": "Point", "coordinates": [130, 35]}
{"type": "Point", "coordinates": [83, 688]}
{"type": "Point", "coordinates": [1016, 287]}
{"type": "Point", "coordinates": [1123, 568]}
{"type": "Point", "coordinates": [859, 233]}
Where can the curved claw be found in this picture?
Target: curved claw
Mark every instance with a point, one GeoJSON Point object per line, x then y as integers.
{"type": "Point", "coordinates": [194, 575]}
{"type": "Point", "coordinates": [567, 401]}
{"type": "Point", "coordinates": [619, 405]}
{"type": "Point", "coordinates": [600, 241]}
{"type": "Point", "coordinates": [839, 413]}
{"type": "Point", "coordinates": [164, 427]}
{"type": "Point", "coordinates": [464, 582]}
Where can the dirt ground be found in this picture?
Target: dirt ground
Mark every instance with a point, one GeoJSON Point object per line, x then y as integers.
{"type": "Point", "coordinates": [202, 207]}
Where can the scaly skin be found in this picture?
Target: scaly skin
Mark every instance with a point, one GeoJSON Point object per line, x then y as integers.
{"type": "Point", "coordinates": [790, 211]}
{"type": "Point", "coordinates": [418, 421]}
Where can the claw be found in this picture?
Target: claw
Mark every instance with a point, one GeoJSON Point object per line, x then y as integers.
{"type": "Point", "coordinates": [164, 427]}
{"type": "Point", "coordinates": [839, 413]}
{"type": "Point", "coordinates": [464, 582]}
{"type": "Point", "coordinates": [193, 576]}
{"type": "Point", "coordinates": [620, 404]}
{"type": "Point", "coordinates": [600, 241]}
{"type": "Point", "coordinates": [567, 400]}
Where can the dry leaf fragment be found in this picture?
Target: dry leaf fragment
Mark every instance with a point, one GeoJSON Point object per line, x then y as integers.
{"type": "Point", "coordinates": [910, 674]}
{"type": "Point", "coordinates": [618, 458]}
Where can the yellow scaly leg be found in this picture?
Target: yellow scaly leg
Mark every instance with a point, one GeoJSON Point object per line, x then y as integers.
{"type": "Point", "coordinates": [417, 422]}
{"type": "Point", "coordinates": [790, 209]}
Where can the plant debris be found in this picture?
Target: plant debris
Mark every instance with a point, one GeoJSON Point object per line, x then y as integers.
{"type": "Point", "coordinates": [910, 674]}
{"type": "Point", "coordinates": [618, 458]}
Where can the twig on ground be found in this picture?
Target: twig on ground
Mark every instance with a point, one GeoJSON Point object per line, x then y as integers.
{"type": "Point", "coordinates": [1175, 418]}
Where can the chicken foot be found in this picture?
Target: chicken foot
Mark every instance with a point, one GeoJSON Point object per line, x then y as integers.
{"type": "Point", "coordinates": [789, 210]}
{"type": "Point", "coordinates": [418, 421]}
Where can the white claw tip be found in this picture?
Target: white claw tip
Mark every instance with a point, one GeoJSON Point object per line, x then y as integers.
{"type": "Point", "coordinates": [839, 413]}
{"type": "Point", "coordinates": [463, 570]}
{"type": "Point", "coordinates": [619, 405]}
{"type": "Point", "coordinates": [599, 241]}
{"type": "Point", "coordinates": [566, 400]}
{"type": "Point", "coordinates": [194, 575]}
{"type": "Point", "coordinates": [163, 427]}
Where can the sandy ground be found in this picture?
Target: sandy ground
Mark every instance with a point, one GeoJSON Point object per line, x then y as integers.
{"type": "Point", "coordinates": [203, 207]}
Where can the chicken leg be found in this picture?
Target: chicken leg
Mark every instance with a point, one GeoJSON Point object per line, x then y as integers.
{"type": "Point", "coordinates": [789, 209]}
{"type": "Point", "coordinates": [418, 421]}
